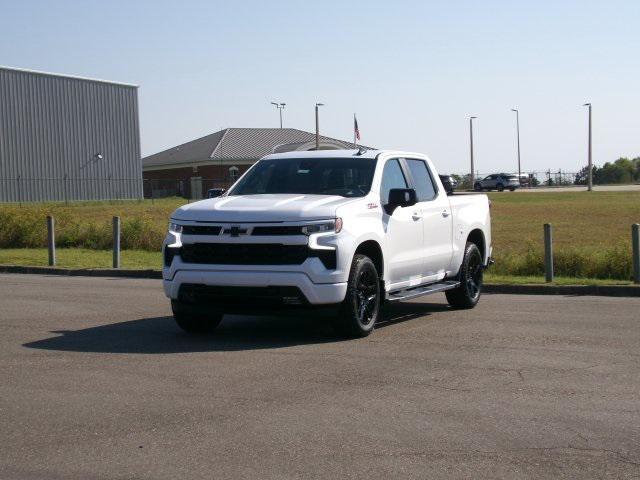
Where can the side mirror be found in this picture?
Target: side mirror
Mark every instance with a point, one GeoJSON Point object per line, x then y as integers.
{"type": "Point", "coordinates": [400, 197]}
{"type": "Point", "coordinates": [215, 192]}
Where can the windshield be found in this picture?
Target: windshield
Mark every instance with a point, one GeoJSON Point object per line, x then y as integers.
{"type": "Point", "coordinates": [347, 177]}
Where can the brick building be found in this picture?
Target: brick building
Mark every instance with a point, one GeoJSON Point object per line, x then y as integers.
{"type": "Point", "coordinates": [217, 160]}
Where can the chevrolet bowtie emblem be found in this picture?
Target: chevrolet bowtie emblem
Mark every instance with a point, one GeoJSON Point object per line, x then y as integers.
{"type": "Point", "coordinates": [235, 231]}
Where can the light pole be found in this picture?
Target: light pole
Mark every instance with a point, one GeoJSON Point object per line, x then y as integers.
{"type": "Point", "coordinates": [318, 126]}
{"type": "Point", "coordinates": [518, 135]}
{"type": "Point", "coordinates": [473, 175]}
{"type": "Point", "coordinates": [280, 107]}
{"type": "Point", "coordinates": [590, 167]}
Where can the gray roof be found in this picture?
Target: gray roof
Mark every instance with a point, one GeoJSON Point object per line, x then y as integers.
{"type": "Point", "coordinates": [235, 144]}
{"type": "Point", "coordinates": [63, 75]}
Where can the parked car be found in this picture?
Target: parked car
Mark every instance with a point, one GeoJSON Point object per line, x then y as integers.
{"type": "Point", "coordinates": [525, 180]}
{"type": "Point", "coordinates": [336, 229]}
{"type": "Point", "coordinates": [215, 192]}
{"type": "Point", "coordinates": [449, 183]}
{"type": "Point", "coordinates": [497, 181]}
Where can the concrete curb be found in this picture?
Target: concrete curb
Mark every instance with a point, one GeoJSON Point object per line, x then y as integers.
{"type": "Point", "coordinates": [598, 290]}
{"type": "Point", "coordinates": [81, 272]}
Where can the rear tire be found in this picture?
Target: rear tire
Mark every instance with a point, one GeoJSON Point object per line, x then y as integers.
{"type": "Point", "coordinates": [512, 189]}
{"type": "Point", "coordinates": [360, 309]}
{"type": "Point", "coordinates": [470, 276]}
{"type": "Point", "coordinates": [195, 320]}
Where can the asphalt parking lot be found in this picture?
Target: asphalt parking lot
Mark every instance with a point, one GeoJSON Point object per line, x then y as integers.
{"type": "Point", "coordinates": [97, 382]}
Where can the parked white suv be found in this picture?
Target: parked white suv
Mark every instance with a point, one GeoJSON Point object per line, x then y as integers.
{"type": "Point", "coordinates": [345, 229]}
{"type": "Point", "coordinates": [497, 181]}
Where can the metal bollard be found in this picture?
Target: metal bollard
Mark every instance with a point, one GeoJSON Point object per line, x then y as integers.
{"type": "Point", "coordinates": [51, 240]}
{"type": "Point", "coordinates": [116, 242]}
{"type": "Point", "coordinates": [635, 241]}
{"type": "Point", "coordinates": [548, 253]}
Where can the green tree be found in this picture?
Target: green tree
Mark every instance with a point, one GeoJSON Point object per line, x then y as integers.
{"type": "Point", "coordinates": [623, 170]}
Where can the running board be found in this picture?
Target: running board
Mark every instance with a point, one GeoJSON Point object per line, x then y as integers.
{"type": "Point", "coordinates": [408, 293]}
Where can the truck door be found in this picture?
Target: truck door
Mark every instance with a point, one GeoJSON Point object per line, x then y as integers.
{"type": "Point", "coordinates": [404, 232]}
{"type": "Point", "coordinates": [435, 209]}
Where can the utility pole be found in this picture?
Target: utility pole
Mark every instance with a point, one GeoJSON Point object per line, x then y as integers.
{"type": "Point", "coordinates": [518, 136]}
{"type": "Point", "coordinates": [318, 126]}
{"type": "Point", "coordinates": [473, 178]}
{"type": "Point", "coordinates": [590, 172]}
{"type": "Point", "coordinates": [280, 107]}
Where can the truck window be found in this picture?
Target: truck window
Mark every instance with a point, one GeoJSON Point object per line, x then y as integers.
{"type": "Point", "coordinates": [392, 177]}
{"type": "Point", "coordinates": [347, 177]}
{"type": "Point", "coordinates": [425, 189]}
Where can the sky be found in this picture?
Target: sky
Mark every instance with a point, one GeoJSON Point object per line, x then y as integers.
{"type": "Point", "coordinates": [413, 71]}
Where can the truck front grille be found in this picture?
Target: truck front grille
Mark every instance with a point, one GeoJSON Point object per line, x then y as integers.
{"type": "Point", "coordinates": [201, 229]}
{"type": "Point", "coordinates": [254, 254]}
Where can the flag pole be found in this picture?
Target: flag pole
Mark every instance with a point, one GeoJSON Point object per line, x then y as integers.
{"type": "Point", "coordinates": [355, 143]}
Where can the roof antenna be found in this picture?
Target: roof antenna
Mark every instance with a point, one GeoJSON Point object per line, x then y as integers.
{"type": "Point", "coordinates": [361, 150]}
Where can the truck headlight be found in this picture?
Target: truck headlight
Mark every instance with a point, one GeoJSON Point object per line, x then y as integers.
{"type": "Point", "coordinates": [332, 226]}
{"type": "Point", "coordinates": [175, 228]}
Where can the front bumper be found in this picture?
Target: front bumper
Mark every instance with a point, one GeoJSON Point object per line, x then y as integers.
{"type": "Point", "coordinates": [314, 293]}
{"type": "Point", "coordinates": [257, 264]}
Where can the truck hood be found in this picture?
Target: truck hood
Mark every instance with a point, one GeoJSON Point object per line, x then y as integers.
{"type": "Point", "coordinates": [269, 208]}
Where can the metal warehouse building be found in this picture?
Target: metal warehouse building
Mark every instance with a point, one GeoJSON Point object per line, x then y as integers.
{"type": "Point", "coordinates": [65, 138]}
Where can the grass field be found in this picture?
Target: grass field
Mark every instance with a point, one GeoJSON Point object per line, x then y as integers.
{"type": "Point", "coordinates": [144, 260]}
{"type": "Point", "coordinates": [87, 225]}
{"type": "Point", "coordinates": [591, 233]}
{"type": "Point", "coordinates": [81, 258]}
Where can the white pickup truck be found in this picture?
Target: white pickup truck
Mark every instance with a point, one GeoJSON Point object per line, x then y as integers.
{"type": "Point", "coordinates": [345, 229]}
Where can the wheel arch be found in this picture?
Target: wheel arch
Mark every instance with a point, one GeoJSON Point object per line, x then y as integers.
{"type": "Point", "coordinates": [476, 236]}
{"type": "Point", "coordinates": [373, 250]}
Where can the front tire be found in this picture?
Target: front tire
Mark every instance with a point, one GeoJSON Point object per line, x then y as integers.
{"type": "Point", "coordinates": [500, 187]}
{"type": "Point", "coordinates": [470, 276]}
{"type": "Point", "coordinates": [195, 320]}
{"type": "Point", "coordinates": [477, 187]}
{"type": "Point", "coordinates": [361, 307]}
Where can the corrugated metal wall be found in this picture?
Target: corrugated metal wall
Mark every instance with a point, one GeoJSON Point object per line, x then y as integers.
{"type": "Point", "coordinates": [53, 130]}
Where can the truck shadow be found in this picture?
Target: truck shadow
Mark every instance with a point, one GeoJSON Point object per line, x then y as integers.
{"type": "Point", "coordinates": [158, 335]}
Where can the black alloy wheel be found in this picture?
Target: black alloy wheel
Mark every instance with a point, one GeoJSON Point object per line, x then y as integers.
{"type": "Point", "coordinates": [366, 296]}
{"type": "Point", "coordinates": [474, 274]}
{"type": "Point", "coordinates": [471, 277]}
{"type": "Point", "coordinates": [361, 307]}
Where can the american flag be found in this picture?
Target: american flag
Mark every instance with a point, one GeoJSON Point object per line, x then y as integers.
{"type": "Point", "coordinates": [356, 130]}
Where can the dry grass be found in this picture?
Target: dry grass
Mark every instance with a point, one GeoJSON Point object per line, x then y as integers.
{"type": "Point", "coordinates": [591, 230]}
{"type": "Point", "coordinates": [87, 225]}
{"type": "Point", "coordinates": [81, 258]}
{"type": "Point", "coordinates": [579, 219]}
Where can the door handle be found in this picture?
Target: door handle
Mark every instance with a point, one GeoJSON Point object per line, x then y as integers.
{"type": "Point", "coordinates": [416, 215]}
{"type": "Point", "coordinates": [445, 213]}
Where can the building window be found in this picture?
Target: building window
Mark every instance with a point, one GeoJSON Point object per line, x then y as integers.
{"type": "Point", "coordinates": [234, 173]}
